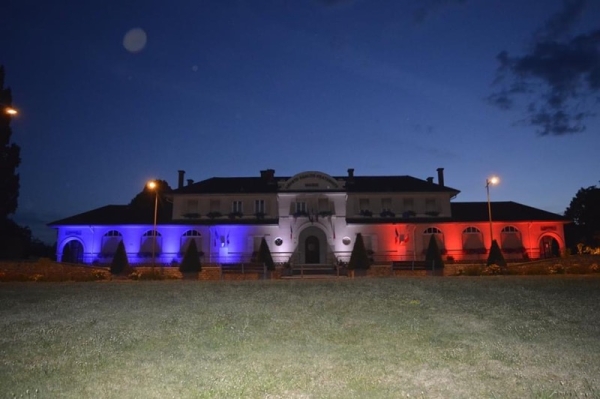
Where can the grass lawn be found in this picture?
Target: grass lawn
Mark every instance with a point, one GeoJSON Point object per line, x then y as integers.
{"type": "Point", "coordinates": [461, 337]}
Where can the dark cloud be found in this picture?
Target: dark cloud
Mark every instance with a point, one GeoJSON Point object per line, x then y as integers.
{"type": "Point", "coordinates": [559, 78]}
{"type": "Point", "coordinates": [428, 7]}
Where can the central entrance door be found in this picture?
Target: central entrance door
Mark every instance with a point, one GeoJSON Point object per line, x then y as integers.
{"type": "Point", "coordinates": [312, 250]}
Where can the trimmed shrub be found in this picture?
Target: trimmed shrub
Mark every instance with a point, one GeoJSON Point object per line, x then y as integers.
{"type": "Point", "coordinates": [119, 263]}
{"type": "Point", "coordinates": [359, 259]}
{"type": "Point", "coordinates": [495, 257]}
{"type": "Point", "coordinates": [264, 255]}
{"type": "Point", "coordinates": [433, 257]}
{"type": "Point", "coordinates": [191, 260]}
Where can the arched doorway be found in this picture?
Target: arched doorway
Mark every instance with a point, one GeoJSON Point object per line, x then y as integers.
{"type": "Point", "coordinates": [72, 252]}
{"type": "Point", "coordinates": [549, 247]}
{"type": "Point", "coordinates": [312, 250]}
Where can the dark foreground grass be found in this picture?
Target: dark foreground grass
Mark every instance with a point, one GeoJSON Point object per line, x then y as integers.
{"type": "Point", "coordinates": [495, 337]}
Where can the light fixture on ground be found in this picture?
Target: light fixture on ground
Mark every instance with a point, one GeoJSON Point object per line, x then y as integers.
{"type": "Point", "coordinates": [490, 181]}
{"type": "Point", "coordinates": [153, 186]}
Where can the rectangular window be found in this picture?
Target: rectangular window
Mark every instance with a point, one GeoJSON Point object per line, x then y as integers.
{"type": "Point", "coordinates": [215, 205]}
{"type": "Point", "coordinates": [192, 206]}
{"type": "Point", "coordinates": [259, 206]}
{"type": "Point", "coordinates": [386, 204]}
{"type": "Point", "coordinates": [408, 204]}
{"type": "Point", "coordinates": [236, 206]}
{"type": "Point", "coordinates": [363, 204]}
{"type": "Point", "coordinates": [430, 205]}
{"type": "Point", "coordinates": [323, 204]}
{"type": "Point", "coordinates": [300, 206]}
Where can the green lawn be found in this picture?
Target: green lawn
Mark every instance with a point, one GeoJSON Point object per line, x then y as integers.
{"type": "Point", "coordinates": [454, 337]}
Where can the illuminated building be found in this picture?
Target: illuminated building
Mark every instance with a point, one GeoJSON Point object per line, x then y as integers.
{"type": "Point", "coordinates": [312, 217]}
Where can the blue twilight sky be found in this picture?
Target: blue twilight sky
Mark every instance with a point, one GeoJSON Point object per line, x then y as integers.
{"type": "Point", "coordinates": [113, 93]}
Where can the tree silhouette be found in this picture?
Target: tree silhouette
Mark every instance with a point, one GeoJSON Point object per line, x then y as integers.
{"type": "Point", "coordinates": [359, 258]}
{"type": "Point", "coordinates": [584, 211]}
{"type": "Point", "coordinates": [9, 156]}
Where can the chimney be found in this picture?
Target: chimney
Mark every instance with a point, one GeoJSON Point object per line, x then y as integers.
{"type": "Point", "coordinates": [268, 175]}
{"type": "Point", "coordinates": [429, 180]}
{"type": "Point", "coordinates": [440, 176]}
{"type": "Point", "coordinates": [180, 180]}
{"type": "Point", "coordinates": [190, 182]}
{"type": "Point", "coordinates": [350, 173]}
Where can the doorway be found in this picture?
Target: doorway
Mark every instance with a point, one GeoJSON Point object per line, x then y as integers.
{"type": "Point", "coordinates": [312, 251]}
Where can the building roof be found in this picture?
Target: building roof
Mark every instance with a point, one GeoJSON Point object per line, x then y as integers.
{"type": "Point", "coordinates": [506, 211]}
{"type": "Point", "coordinates": [371, 184]}
{"type": "Point", "coordinates": [461, 212]}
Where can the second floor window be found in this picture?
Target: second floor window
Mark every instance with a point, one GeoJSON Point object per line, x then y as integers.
{"type": "Point", "coordinates": [236, 206]}
{"type": "Point", "coordinates": [215, 205]}
{"type": "Point", "coordinates": [386, 204]}
{"type": "Point", "coordinates": [300, 206]}
{"type": "Point", "coordinates": [192, 205]}
{"type": "Point", "coordinates": [430, 205]}
{"type": "Point", "coordinates": [259, 206]}
{"type": "Point", "coordinates": [363, 204]}
{"type": "Point", "coordinates": [408, 204]}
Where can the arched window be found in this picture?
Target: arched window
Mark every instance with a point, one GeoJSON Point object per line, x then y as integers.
{"type": "Point", "coordinates": [511, 241]}
{"type": "Point", "coordinates": [186, 239]}
{"type": "Point", "coordinates": [110, 242]}
{"type": "Point", "coordinates": [439, 237]}
{"type": "Point", "coordinates": [472, 241]}
{"type": "Point", "coordinates": [151, 241]}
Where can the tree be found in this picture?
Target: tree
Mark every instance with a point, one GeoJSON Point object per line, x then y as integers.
{"type": "Point", "coordinates": [495, 257]}
{"type": "Point", "coordinates": [584, 211]}
{"type": "Point", "coordinates": [359, 259]}
{"type": "Point", "coordinates": [9, 156]}
{"type": "Point", "coordinates": [119, 263]}
{"type": "Point", "coordinates": [191, 259]}
{"type": "Point", "coordinates": [433, 256]}
{"type": "Point", "coordinates": [264, 255]}
{"type": "Point", "coordinates": [144, 200]}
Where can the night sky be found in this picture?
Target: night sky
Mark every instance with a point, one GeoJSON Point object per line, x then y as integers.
{"type": "Point", "coordinates": [114, 93]}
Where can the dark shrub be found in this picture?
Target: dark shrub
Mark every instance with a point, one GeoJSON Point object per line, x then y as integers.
{"type": "Point", "coordinates": [264, 255]}
{"type": "Point", "coordinates": [119, 263]}
{"type": "Point", "coordinates": [359, 259]}
{"type": "Point", "coordinates": [495, 257]}
{"type": "Point", "coordinates": [433, 257]}
{"type": "Point", "coordinates": [191, 259]}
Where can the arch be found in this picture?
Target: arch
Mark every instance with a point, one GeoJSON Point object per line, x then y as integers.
{"type": "Point", "coordinates": [314, 237]}
{"type": "Point", "coordinates": [439, 237]}
{"type": "Point", "coordinates": [549, 246]}
{"type": "Point", "coordinates": [72, 251]}
{"type": "Point", "coordinates": [511, 240]}
{"type": "Point", "coordinates": [311, 180]}
{"type": "Point", "coordinates": [151, 242]}
{"type": "Point", "coordinates": [472, 241]}
{"type": "Point", "coordinates": [187, 238]}
{"type": "Point", "coordinates": [110, 242]}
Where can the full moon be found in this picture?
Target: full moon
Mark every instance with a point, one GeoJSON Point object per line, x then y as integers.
{"type": "Point", "coordinates": [134, 40]}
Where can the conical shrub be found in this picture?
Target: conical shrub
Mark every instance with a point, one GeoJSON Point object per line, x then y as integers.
{"type": "Point", "coordinates": [359, 258]}
{"type": "Point", "coordinates": [495, 257]}
{"type": "Point", "coordinates": [433, 257]}
{"type": "Point", "coordinates": [119, 263]}
{"type": "Point", "coordinates": [191, 259]}
{"type": "Point", "coordinates": [264, 255]}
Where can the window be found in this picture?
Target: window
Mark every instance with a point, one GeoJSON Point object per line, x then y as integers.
{"type": "Point", "coordinates": [259, 206]}
{"type": "Point", "coordinates": [511, 240]}
{"type": "Point", "coordinates": [346, 240]}
{"type": "Point", "coordinates": [472, 241]}
{"type": "Point", "coordinates": [236, 206]}
{"type": "Point", "coordinates": [430, 205]}
{"type": "Point", "coordinates": [110, 242]}
{"type": "Point", "coordinates": [323, 205]}
{"type": "Point", "coordinates": [192, 206]}
{"type": "Point", "coordinates": [151, 243]}
{"type": "Point", "coordinates": [439, 237]}
{"type": "Point", "coordinates": [151, 233]}
{"type": "Point", "coordinates": [363, 204]}
{"type": "Point", "coordinates": [278, 241]}
{"type": "Point", "coordinates": [432, 230]}
{"type": "Point", "coordinates": [215, 205]}
{"type": "Point", "coordinates": [300, 207]}
{"type": "Point", "coordinates": [386, 204]}
{"type": "Point", "coordinates": [510, 229]}
{"type": "Point", "coordinates": [188, 237]}
{"type": "Point", "coordinates": [408, 204]}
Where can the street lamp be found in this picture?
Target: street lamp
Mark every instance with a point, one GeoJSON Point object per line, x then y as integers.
{"type": "Point", "coordinates": [153, 186]}
{"type": "Point", "coordinates": [493, 181]}
{"type": "Point", "coordinates": [10, 111]}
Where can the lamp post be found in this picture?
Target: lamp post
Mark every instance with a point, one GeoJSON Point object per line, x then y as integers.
{"type": "Point", "coordinates": [10, 111]}
{"type": "Point", "coordinates": [153, 186]}
{"type": "Point", "coordinates": [493, 181]}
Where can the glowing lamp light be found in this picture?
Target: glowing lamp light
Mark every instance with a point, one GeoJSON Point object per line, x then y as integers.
{"type": "Point", "coordinates": [493, 180]}
{"type": "Point", "coordinates": [151, 185]}
{"type": "Point", "coordinates": [10, 111]}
